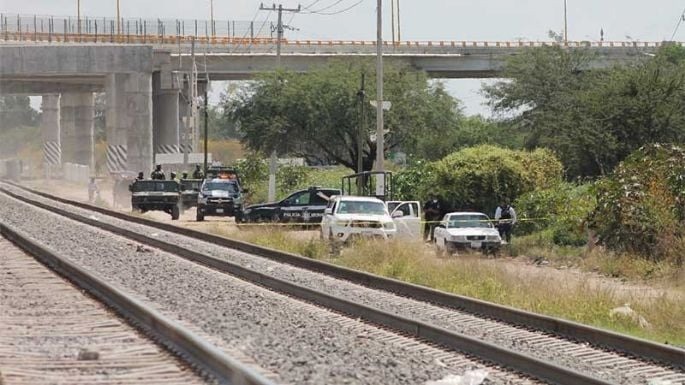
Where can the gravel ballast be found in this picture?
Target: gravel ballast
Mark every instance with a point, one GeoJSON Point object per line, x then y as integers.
{"type": "Point", "coordinates": [301, 343]}
{"type": "Point", "coordinates": [606, 365]}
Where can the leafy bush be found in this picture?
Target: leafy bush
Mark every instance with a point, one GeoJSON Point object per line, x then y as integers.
{"type": "Point", "coordinates": [410, 183]}
{"type": "Point", "coordinates": [478, 178]}
{"type": "Point", "coordinates": [289, 178]}
{"type": "Point", "coordinates": [562, 208]}
{"type": "Point", "coordinates": [641, 206]}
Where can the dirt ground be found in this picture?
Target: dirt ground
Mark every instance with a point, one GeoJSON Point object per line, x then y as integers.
{"type": "Point", "coordinates": [519, 267]}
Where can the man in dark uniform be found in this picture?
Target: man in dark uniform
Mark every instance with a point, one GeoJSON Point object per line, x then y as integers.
{"type": "Point", "coordinates": [158, 173]}
{"type": "Point", "coordinates": [140, 176]}
{"type": "Point", "coordinates": [432, 212]}
{"type": "Point", "coordinates": [198, 174]}
{"type": "Point", "coordinates": [184, 175]}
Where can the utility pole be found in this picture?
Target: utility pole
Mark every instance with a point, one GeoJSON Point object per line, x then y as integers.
{"type": "Point", "coordinates": [118, 20]}
{"type": "Point", "coordinates": [211, 18]}
{"type": "Point", "coordinates": [78, 16]}
{"type": "Point", "coordinates": [399, 30]}
{"type": "Point", "coordinates": [362, 127]}
{"type": "Point", "coordinates": [392, 20]}
{"type": "Point", "coordinates": [379, 87]}
{"type": "Point", "coordinates": [206, 126]}
{"type": "Point", "coordinates": [565, 25]}
{"type": "Point", "coordinates": [191, 117]}
{"type": "Point", "coordinates": [273, 161]}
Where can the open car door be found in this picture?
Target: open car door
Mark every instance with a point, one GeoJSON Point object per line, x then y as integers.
{"type": "Point", "coordinates": [407, 218]}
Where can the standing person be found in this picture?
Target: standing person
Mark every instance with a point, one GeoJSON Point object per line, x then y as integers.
{"type": "Point", "coordinates": [198, 174]}
{"type": "Point", "coordinates": [432, 211]}
{"type": "Point", "coordinates": [184, 175]}
{"type": "Point", "coordinates": [172, 176]}
{"type": "Point", "coordinates": [158, 173]}
{"type": "Point", "coordinates": [140, 176]}
{"type": "Point", "coordinates": [505, 216]}
{"type": "Point", "coordinates": [92, 190]}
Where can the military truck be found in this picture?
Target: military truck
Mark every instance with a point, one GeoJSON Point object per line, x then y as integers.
{"type": "Point", "coordinates": [190, 188]}
{"type": "Point", "coordinates": [156, 195]}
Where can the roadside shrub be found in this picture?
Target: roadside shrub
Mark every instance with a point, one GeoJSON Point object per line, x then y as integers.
{"type": "Point", "coordinates": [641, 205]}
{"type": "Point", "coordinates": [562, 208]}
{"type": "Point", "coordinates": [477, 178]}
{"type": "Point", "coordinates": [289, 178]}
{"type": "Point", "coordinates": [412, 182]}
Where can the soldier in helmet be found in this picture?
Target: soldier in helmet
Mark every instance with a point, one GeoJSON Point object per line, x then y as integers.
{"type": "Point", "coordinates": [198, 174]}
{"type": "Point", "coordinates": [140, 176]}
{"type": "Point", "coordinates": [184, 175]}
{"type": "Point", "coordinates": [158, 173]}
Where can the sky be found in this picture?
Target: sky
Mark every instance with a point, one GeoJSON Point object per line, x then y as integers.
{"type": "Point", "coordinates": [492, 20]}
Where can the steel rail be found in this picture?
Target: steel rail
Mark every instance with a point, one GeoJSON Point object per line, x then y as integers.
{"type": "Point", "coordinates": [534, 367]}
{"type": "Point", "coordinates": [635, 347]}
{"type": "Point", "coordinates": [176, 338]}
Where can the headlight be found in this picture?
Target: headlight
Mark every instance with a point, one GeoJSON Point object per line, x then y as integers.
{"type": "Point", "coordinates": [340, 223]}
{"type": "Point", "coordinates": [389, 225]}
{"type": "Point", "coordinates": [493, 238]}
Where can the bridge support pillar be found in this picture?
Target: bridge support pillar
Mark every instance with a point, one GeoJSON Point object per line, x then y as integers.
{"type": "Point", "coordinates": [129, 122]}
{"type": "Point", "coordinates": [166, 138]}
{"type": "Point", "coordinates": [77, 112]}
{"type": "Point", "coordinates": [50, 133]}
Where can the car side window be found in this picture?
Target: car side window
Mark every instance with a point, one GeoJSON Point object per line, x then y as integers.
{"type": "Point", "coordinates": [317, 199]}
{"type": "Point", "coordinates": [299, 199]}
{"type": "Point", "coordinates": [405, 209]}
{"type": "Point", "coordinates": [415, 208]}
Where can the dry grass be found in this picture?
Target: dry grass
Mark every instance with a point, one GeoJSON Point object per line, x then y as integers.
{"type": "Point", "coordinates": [580, 300]}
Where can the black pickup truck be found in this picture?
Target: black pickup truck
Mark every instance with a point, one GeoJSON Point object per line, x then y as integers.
{"type": "Point", "coordinates": [301, 207]}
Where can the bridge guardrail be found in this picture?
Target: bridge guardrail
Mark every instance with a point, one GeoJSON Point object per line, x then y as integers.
{"type": "Point", "coordinates": [35, 28]}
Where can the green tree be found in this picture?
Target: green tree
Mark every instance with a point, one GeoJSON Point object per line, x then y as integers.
{"type": "Point", "coordinates": [16, 111]}
{"type": "Point", "coordinates": [316, 115]}
{"type": "Point", "coordinates": [592, 118]}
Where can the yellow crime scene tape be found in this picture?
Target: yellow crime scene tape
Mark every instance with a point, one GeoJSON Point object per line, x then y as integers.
{"type": "Point", "coordinates": [303, 224]}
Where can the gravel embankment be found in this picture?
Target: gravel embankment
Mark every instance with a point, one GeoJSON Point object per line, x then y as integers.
{"type": "Point", "coordinates": [605, 365]}
{"type": "Point", "coordinates": [303, 344]}
{"type": "Point", "coordinates": [52, 333]}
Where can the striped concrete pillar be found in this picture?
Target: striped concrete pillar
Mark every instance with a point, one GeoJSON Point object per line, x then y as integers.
{"type": "Point", "coordinates": [165, 123]}
{"type": "Point", "coordinates": [116, 125]}
{"type": "Point", "coordinates": [129, 122]}
{"type": "Point", "coordinates": [50, 133]}
{"type": "Point", "coordinates": [77, 111]}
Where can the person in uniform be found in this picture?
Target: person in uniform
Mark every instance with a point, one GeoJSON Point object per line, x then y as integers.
{"type": "Point", "coordinates": [198, 174]}
{"type": "Point", "coordinates": [505, 217]}
{"type": "Point", "coordinates": [93, 190]}
{"type": "Point", "coordinates": [172, 176]}
{"type": "Point", "coordinates": [184, 175]}
{"type": "Point", "coordinates": [158, 174]}
{"type": "Point", "coordinates": [432, 211]}
{"type": "Point", "coordinates": [140, 176]}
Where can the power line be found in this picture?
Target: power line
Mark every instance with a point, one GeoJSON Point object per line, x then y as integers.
{"type": "Point", "coordinates": [328, 7]}
{"type": "Point", "coordinates": [680, 20]}
{"type": "Point", "coordinates": [311, 5]}
{"type": "Point", "coordinates": [339, 11]}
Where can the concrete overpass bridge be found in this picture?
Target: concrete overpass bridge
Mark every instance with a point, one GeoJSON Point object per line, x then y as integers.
{"type": "Point", "coordinates": [144, 74]}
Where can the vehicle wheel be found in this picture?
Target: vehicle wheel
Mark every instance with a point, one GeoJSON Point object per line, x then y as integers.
{"type": "Point", "coordinates": [200, 216]}
{"type": "Point", "coordinates": [175, 213]}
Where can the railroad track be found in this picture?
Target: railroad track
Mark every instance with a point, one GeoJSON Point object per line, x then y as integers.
{"type": "Point", "coordinates": [53, 333]}
{"type": "Point", "coordinates": [602, 360]}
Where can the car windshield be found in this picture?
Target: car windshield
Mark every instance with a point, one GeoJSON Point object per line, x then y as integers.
{"type": "Point", "coordinates": [191, 184]}
{"type": "Point", "coordinates": [466, 221]}
{"type": "Point", "coordinates": [360, 207]}
{"type": "Point", "coordinates": [155, 185]}
{"type": "Point", "coordinates": [230, 187]}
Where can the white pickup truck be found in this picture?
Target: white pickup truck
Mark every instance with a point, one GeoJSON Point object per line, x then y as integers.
{"type": "Point", "coordinates": [347, 217]}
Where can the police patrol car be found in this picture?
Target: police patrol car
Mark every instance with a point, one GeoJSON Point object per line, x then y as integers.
{"type": "Point", "coordinates": [301, 207]}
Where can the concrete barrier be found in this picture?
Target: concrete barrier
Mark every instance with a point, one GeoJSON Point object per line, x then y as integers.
{"type": "Point", "coordinates": [77, 173]}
